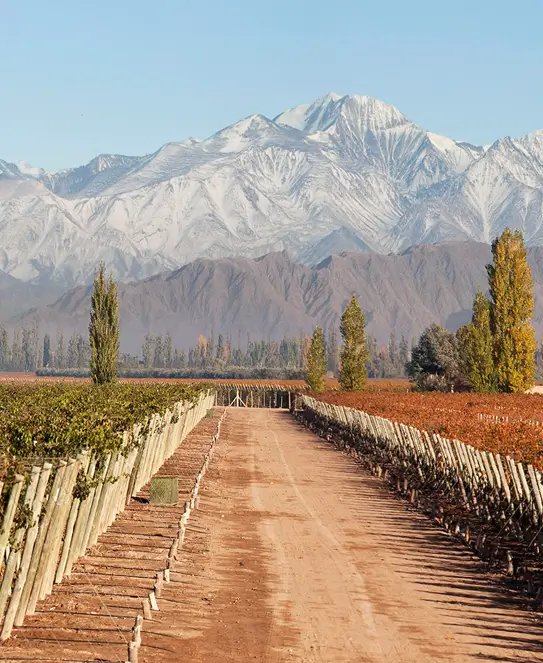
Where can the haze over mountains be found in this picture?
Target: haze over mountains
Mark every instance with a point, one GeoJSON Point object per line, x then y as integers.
{"type": "Point", "coordinates": [273, 296]}
{"type": "Point", "coordinates": [343, 173]}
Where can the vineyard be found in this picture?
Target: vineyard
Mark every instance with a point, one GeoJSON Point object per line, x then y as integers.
{"type": "Point", "coordinates": [509, 424]}
{"type": "Point", "coordinates": [91, 568]}
{"type": "Point", "coordinates": [73, 456]}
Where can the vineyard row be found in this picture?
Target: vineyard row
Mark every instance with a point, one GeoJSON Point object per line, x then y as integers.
{"type": "Point", "coordinates": [495, 503]}
{"type": "Point", "coordinates": [57, 512]}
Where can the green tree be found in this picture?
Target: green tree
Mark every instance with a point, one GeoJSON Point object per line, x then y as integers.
{"type": "Point", "coordinates": [72, 350]}
{"type": "Point", "coordinates": [403, 354]}
{"type": "Point", "coordinates": [46, 350]}
{"type": "Point", "coordinates": [5, 350]}
{"type": "Point", "coordinates": [147, 350]}
{"type": "Point", "coordinates": [158, 360]}
{"type": "Point", "coordinates": [60, 361]}
{"type": "Point", "coordinates": [393, 350]}
{"type": "Point", "coordinates": [316, 361]}
{"type": "Point", "coordinates": [220, 348]}
{"type": "Point", "coordinates": [354, 352]}
{"type": "Point", "coordinates": [475, 347]}
{"type": "Point", "coordinates": [104, 329]}
{"type": "Point", "coordinates": [434, 359]}
{"type": "Point", "coordinates": [167, 350]}
{"type": "Point", "coordinates": [83, 352]}
{"type": "Point", "coordinates": [17, 361]}
{"type": "Point", "coordinates": [333, 351]}
{"type": "Point", "coordinates": [512, 307]}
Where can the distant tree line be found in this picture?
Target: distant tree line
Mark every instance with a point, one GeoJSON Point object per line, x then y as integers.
{"type": "Point", "coordinates": [26, 349]}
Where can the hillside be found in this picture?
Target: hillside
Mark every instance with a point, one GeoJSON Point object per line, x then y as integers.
{"type": "Point", "coordinates": [273, 296]}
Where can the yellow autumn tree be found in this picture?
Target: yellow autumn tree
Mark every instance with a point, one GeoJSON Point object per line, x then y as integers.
{"type": "Point", "coordinates": [511, 310]}
{"type": "Point", "coordinates": [475, 346]}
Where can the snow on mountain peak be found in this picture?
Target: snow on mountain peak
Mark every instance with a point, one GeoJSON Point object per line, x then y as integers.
{"type": "Point", "coordinates": [324, 114]}
{"type": "Point", "coordinates": [27, 169]}
{"type": "Point", "coordinates": [311, 117]}
{"type": "Point", "coordinates": [441, 142]}
{"type": "Point", "coordinates": [341, 171]}
{"type": "Point", "coordinates": [253, 130]}
{"type": "Point", "coordinates": [372, 111]}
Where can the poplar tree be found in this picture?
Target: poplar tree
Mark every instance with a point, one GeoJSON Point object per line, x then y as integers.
{"type": "Point", "coordinates": [147, 350]}
{"type": "Point", "coordinates": [332, 350]}
{"type": "Point", "coordinates": [46, 350]}
{"type": "Point", "coordinates": [167, 350]}
{"type": "Point", "coordinates": [511, 309]}
{"type": "Point", "coordinates": [354, 353]}
{"type": "Point", "coordinates": [476, 347]}
{"type": "Point", "coordinates": [104, 329]}
{"type": "Point", "coordinates": [316, 361]}
{"type": "Point", "coordinates": [158, 361]}
{"type": "Point", "coordinates": [60, 351]}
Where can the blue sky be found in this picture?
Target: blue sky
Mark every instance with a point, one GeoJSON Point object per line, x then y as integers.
{"type": "Point", "coordinates": [80, 78]}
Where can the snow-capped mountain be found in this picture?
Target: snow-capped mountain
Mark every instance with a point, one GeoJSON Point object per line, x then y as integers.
{"type": "Point", "coordinates": [341, 173]}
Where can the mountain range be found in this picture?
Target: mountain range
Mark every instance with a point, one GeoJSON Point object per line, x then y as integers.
{"type": "Point", "coordinates": [272, 296]}
{"type": "Point", "coordinates": [345, 173]}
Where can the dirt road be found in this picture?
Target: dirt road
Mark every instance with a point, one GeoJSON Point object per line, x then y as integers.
{"type": "Point", "coordinates": [296, 555]}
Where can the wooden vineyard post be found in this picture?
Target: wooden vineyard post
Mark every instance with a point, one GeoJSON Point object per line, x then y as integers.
{"type": "Point", "coordinates": [51, 549]}
{"type": "Point", "coordinates": [31, 536]}
{"type": "Point", "coordinates": [535, 489]}
{"type": "Point", "coordinates": [9, 513]}
{"type": "Point", "coordinates": [78, 537]}
{"type": "Point", "coordinates": [70, 527]}
{"type": "Point", "coordinates": [100, 499]}
{"type": "Point", "coordinates": [38, 560]}
{"type": "Point", "coordinates": [14, 553]}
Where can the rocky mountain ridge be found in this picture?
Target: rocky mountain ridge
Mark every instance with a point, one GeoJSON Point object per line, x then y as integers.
{"type": "Point", "coordinates": [342, 173]}
{"type": "Point", "coordinates": [273, 295]}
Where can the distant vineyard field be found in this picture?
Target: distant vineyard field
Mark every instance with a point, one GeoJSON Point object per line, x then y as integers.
{"type": "Point", "coordinates": [509, 424]}
{"type": "Point", "coordinates": [373, 384]}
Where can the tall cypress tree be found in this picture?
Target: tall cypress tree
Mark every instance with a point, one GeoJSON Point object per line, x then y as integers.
{"type": "Point", "coordinates": [354, 353]}
{"type": "Point", "coordinates": [316, 361]}
{"type": "Point", "coordinates": [512, 307]}
{"type": "Point", "coordinates": [104, 329]}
